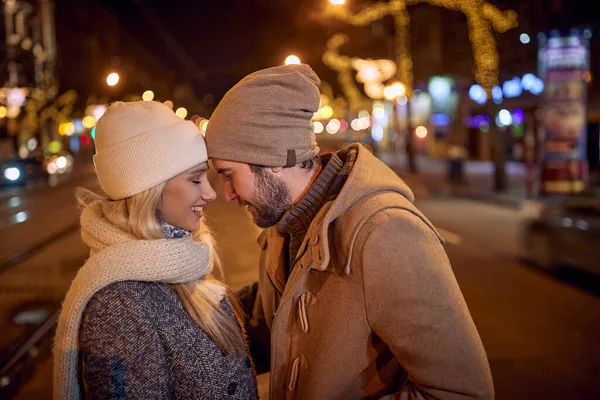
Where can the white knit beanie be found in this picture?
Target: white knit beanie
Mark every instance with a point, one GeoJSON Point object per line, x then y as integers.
{"type": "Point", "coordinates": [142, 144]}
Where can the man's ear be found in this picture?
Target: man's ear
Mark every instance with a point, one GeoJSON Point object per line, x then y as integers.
{"type": "Point", "coordinates": [276, 170]}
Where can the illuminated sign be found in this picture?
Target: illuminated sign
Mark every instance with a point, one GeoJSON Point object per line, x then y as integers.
{"type": "Point", "coordinates": [564, 66]}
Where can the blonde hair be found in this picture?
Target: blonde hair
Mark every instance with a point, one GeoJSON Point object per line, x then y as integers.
{"type": "Point", "coordinates": [139, 216]}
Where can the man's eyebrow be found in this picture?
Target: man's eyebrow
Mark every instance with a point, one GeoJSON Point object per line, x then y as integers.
{"type": "Point", "coordinates": [223, 170]}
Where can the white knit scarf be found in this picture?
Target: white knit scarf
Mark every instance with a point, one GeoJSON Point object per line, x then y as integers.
{"type": "Point", "coordinates": [116, 256]}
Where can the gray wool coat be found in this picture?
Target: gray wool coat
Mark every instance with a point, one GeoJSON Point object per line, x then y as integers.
{"type": "Point", "coordinates": [138, 342]}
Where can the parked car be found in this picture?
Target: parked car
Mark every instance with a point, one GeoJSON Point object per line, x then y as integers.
{"type": "Point", "coordinates": [564, 233]}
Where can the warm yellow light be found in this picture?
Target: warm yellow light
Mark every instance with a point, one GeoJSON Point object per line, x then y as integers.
{"type": "Point", "coordinates": [421, 132]}
{"type": "Point", "coordinates": [482, 19]}
{"type": "Point", "coordinates": [374, 90]}
{"type": "Point", "coordinates": [3, 112]}
{"type": "Point", "coordinates": [69, 128]}
{"type": "Point", "coordinates": [394, 91]}
{"type": "Point", "coordinates": [181, 112]}
{"type": "Point", "coordinates": [326, 112]}
{"type": "Point", "coordinates": [148, 95]}
{"type": "Point", "coordinates": [66, 128]}
{"type": "Point", "coordinates": [89, 122]}
{"type": "Point", "coordinates": [112, 79]}
{"type": "Point", "coordinates": [337, 2]}
{"type": "Point", "coordinates": [169, 104]}
{"type": "Point", "coordinates": [399, 88]}
{"type": "Point", "coordinates": [388, 93]}
{"type": "Point", "coordinates": [204, 125]}
{"type": "Point", "coordinates": [292, 60]}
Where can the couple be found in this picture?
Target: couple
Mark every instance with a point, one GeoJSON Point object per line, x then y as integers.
{"type": "Point", "coordinates": [356, 297]}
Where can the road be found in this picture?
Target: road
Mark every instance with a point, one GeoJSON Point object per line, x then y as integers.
{"type": "Point", "coordinates": [540, 331]}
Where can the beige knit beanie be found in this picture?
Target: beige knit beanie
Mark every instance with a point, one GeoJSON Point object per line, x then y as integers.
{"type": "Point", "coordinates": [266, 118]}
{"type": "Point", "coordinates": [142, 144]}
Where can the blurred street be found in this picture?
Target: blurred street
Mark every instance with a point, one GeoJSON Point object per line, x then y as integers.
{"type": "Point", "coordinates": [488, 109]}
{"type": "Point", "coordinates": [540, 330]}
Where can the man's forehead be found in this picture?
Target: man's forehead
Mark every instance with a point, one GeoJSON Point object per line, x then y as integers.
{"type": "Point", "coordinates": [226, 165]}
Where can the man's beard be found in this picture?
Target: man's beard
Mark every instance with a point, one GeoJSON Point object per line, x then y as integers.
{"type": "Point", "coordinates": [271, 199]}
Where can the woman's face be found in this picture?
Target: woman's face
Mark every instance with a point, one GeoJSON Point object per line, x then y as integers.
{"type": "Point", "coordinates": [184, 197]}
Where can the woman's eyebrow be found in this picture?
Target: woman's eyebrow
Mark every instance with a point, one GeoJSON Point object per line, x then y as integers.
{"type": "Point", "coordinates": [199, 170]}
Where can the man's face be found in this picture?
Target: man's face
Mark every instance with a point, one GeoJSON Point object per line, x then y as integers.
{"type": "Point", "coordinates": [263, 193]}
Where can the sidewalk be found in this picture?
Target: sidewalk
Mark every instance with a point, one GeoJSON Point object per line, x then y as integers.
{"type": "Point", "coordinates": [479, 179]}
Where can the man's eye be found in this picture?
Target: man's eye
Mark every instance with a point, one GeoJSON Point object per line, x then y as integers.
{"type": "Point", "coordinates": [228, 177]}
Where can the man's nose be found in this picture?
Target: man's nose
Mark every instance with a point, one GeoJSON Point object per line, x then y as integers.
{"type": "Point", "coordinates": [229, 191]}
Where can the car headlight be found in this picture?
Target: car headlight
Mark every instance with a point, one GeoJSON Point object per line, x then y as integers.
{"type": "Point", "coordinates": [12, 173]}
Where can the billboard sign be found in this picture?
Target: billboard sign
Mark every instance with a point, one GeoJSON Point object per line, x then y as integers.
{"type": "Point", "coordinates": [564, 67]}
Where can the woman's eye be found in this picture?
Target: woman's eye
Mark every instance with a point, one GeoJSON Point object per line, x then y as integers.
{"type": "Point", "coordinates": [197, 182]}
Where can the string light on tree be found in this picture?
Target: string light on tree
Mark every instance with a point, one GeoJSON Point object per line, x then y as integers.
{"type": "Point", "coordinates": [344, 66]}
{"type": "Point", "coordinates": [482, 19]}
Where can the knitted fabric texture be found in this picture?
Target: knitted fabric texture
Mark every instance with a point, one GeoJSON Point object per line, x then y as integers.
{"type": "Point", "coordinates": [116, 256]}
{"type": "Point", "coordinates": [142, 144]}
{"type": "Point", "coordinates": [137, 341]}
{"type": "Point", "coordinates": [296, 221]}
{"type": "Point", "coordinates": [266, 118]}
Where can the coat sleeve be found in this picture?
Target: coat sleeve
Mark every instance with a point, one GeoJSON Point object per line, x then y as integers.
{"type": "Point", "coordinates": [257, 331]}
{"type": "Point", "coordinates": [123, 357]}
{"type": "Point", "coordinates": [413, 303]}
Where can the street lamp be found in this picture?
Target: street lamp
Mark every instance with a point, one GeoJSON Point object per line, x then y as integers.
{"type": "Point", "coordinates": [292, 59]}
{"type": "Point", "coordinates": [112, 79]}
{"type": "Point", "coordinates": [337, 2]}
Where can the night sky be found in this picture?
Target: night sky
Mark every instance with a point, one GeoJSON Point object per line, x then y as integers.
{"type": "Point", "coordinates": [208, 44]}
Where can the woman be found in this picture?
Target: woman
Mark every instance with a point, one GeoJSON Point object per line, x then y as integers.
{"type": "Point", "coordinates": [142, 320]}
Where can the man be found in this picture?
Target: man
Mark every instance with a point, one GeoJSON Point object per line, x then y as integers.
{"type": "Point", "coordinates": [355, 288]}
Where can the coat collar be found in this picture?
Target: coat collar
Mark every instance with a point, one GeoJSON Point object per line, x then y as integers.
{"type": "Point", "coordinates": [371, 187]}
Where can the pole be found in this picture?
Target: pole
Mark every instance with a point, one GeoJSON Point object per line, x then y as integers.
{"type": "Point", "coordinates": [529, 156]}
{"type": "Point", "coordinates": [409, 140]}
{"type": "Point", "coordinates": [498, 152]}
